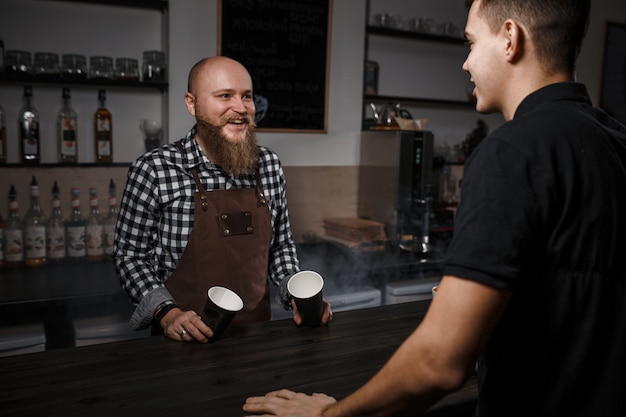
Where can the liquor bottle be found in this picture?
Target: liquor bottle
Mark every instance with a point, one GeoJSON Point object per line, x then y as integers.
{"type": "Point", "coordinates": [34, 230]}
{"type": "Point", "coordinates": [1, 242]}
{"type": "Point", "coordinates": [103, 128]}
{"type": "Point", "coordinates": [95, 230]}
{"type": "Point", "coordinates": [3, 136]}
{"type": "Point", "coordinates": [110, 221]}
{"type": "Point", "coordinates": [55, 230]}
{"type": "Point", "coordinates": [66, 131]}
{"type": "Point", "coordinates": [28, 121]}
{"type": "Point", "coordinates": [75, 230]}
{"type": "Point", "coordinates": [13, 236]}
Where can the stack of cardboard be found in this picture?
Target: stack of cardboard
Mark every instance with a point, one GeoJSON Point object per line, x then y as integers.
{"type": "Point", "coordinates": [356, 232]}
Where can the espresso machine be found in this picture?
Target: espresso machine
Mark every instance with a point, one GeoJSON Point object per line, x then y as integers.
{"type": "Point", "coordinates": [397, 185]}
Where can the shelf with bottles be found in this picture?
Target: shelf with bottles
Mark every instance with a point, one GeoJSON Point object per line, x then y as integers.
{"type": "Point", "coordinates": [37, 239]}
{"type": "Point", "coordinates": [75, 141]}
{"type": "Point", "coordinates": [119, 29]}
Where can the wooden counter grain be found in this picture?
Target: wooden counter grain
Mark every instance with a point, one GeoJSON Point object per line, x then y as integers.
{"type": "Point", "coordinates": [159, 377]}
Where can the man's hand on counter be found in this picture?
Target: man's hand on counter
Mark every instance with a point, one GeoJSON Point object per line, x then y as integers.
{"type": "Point", "coordinates": [185, 326]}
{"type": "Point", "coordinates": [289, 403]}
{"type": "Point", "coordinates": [327, 313]}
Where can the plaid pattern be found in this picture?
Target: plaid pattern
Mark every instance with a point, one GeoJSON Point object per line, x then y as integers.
{"type": "Point", "coordinates": [156, 215]}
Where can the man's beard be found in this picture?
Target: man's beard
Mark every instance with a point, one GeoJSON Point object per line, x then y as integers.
{"type": "Point", "coordinates": [236, 158]}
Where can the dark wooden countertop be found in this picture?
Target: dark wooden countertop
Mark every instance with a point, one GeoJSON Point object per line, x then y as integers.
{"type": "Point", "coordinates": [159, 377]}
{"type": "Point", "coordinates": [26, 287]}
{"type": "Point", "coordinates": [55, 295]}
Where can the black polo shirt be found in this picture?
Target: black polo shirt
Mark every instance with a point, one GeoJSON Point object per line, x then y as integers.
{"type": "Point", "coordinates": [543, 214]}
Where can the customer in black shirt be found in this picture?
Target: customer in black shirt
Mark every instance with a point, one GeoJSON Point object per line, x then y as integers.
{"type": "Point", "coordinates": [535, 278]}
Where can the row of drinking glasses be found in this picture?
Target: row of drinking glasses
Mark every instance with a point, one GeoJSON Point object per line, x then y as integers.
{"type": "Point", "coordinates": [75, 66]}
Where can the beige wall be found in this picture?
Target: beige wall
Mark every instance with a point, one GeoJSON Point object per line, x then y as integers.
{"type": "Point", "coordinates": [314, 193]}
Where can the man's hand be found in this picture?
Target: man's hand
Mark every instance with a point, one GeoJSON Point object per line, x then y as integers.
{"type": "Point", "coordinates": [185, 326]}
{"type": "Point", "coordinates": [285, 403]}
{"type": "Point", "coordinates": [327, 314]}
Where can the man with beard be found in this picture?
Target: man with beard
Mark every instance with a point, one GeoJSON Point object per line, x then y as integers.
{"type": "Point", "coordinates": [209, 209]}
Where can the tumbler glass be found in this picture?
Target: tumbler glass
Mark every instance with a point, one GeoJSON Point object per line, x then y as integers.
{"type": "Point", "coordinates": [18, 62]}
{"type": "Point", "coordinates": [101, 67]}
{"type": "Point", "coordinates": [46, 63]}
{"type": "Point", "coordinates": [153, 66]}
{"type": "Point", "coordinates": [126, 69]}
{"type": "Point", "coordinates": [74, 66]}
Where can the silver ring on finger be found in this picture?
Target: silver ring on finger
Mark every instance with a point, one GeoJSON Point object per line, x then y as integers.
{"type": "Point", "coordinates": [183, 333]}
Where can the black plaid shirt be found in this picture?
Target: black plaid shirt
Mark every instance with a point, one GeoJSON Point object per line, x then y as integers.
{"type": "Point", "coordinates": [156, 218]}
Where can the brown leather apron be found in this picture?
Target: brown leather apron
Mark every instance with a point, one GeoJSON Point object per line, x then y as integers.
{"type": "Point", "coordinates": [228, 246]}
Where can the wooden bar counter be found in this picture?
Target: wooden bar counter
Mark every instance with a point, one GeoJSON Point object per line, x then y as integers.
{"type": "Point", "coordinates": [158, 377]}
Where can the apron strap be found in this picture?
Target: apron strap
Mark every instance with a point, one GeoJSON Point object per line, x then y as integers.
{"type": "Point", "coordinates": [194, 172]}
{"type": "Point", "coordinates": [259, 188]}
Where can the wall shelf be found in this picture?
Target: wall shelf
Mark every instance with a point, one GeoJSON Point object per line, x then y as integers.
{"type": "Point", "coordinates": [420, 102]}
{"type": "Point", "coordinates": [140, 4]}
{"type": "Point", "coordinates": [404, 34]}
{"type": "Point", "coordinates": [51, 81]}
{"type": "Point", "coordinates": [47, 165]}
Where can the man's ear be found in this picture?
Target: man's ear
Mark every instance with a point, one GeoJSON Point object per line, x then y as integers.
{"type": "Point", "coordinates": [514, 40]}
{"type": "Point", "coordinates": [190, 102]}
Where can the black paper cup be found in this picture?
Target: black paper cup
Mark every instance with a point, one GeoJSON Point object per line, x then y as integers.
{"type": "Point", "coordinates": [306, 289]}
{"type": "Point", "coordinates": [220, 308]}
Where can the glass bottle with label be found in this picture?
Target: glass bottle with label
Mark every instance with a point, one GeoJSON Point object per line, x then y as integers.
{"type": "Point", "coordinates": [66, 131]}
{"type": "Point", "coordinates": [55, 230]}
{"type": "Point", "coordinates": [1, 242]}
{"type": "Point", "coordinates": [103, 128]}
{"type": "Point", "coordinates": [3, 136]}
{"type": "Point", "coordinates": [95, 248]}
{"type": "Point", "coordinates": [13, 235]}
{"type": "Point", "coordinates": [75, 230]}
{"type": "Point", "coordinates": [34, 230]}
{"type": "Point", "coordinates": [111, 220]}
{"type": "Point", "coordinates": [28, 129]}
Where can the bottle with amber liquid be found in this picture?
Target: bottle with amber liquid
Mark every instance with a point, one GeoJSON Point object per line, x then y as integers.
{"type": "Point", "coordinates": [28, 129]}
{"type": "Point", "coordinates": [103, 128]}
{"type": "Point", "coordinates": [55, 230]}
{"type": "Point", "coordinates": [95, 249]}
{"type": "Point", "coordinates": [66, 131]}
{"type": "Point", "coordinates": [34, 230]}
{"type": "Point", "coordinates": [3, 136]}
{"type": "Point", "coordinates": [75, 230]}
{"type": "Point", "coordinates": [13, 235]}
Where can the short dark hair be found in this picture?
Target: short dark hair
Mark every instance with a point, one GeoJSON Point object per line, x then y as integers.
{"type": "Point", "coordinates": [557, 27]}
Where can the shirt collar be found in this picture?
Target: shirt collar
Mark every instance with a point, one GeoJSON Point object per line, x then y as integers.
{"type": "Point", "coordinates": [565, 91]}
{"type": "Point", "coordinates": [193, 153]}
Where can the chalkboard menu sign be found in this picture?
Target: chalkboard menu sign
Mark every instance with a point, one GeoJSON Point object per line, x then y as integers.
{"type": "Point", "coordinates": [284, 44]}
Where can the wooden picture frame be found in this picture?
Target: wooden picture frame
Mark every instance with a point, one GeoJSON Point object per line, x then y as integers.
{"type": "Point", "coordinates": [285, 45]}
{"type": "Point", "coordinates": [613, 87]}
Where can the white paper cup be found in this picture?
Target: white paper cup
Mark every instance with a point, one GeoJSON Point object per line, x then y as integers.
{"type": "Point", "coordinates": [306, 289]}
{"type": "Point", "coordinates": [434, 290]}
